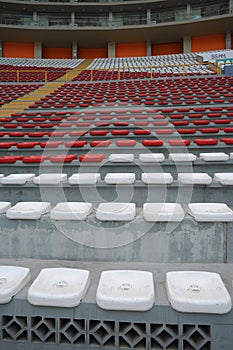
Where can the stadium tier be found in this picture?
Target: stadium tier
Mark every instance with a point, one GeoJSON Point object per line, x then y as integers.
{"type": "Point", "coordinates": [116, 207]}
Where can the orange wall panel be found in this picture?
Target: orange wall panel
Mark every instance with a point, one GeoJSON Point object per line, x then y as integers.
{"type": "Point", "coordinates": [167, 49]}
{"type": "Point", "coordinates": [93, 52]}
{"type": "Point", "coordinates": [131, 50]}
{"type": "Point", "coordinates": [57, 52]}
{"type": "Point", "coordinates": [208, 42]}
{"type": "Point", "coordinates": [14, 49]}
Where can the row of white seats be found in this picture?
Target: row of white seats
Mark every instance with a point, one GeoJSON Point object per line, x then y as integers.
{"type": "Point", "coordinates": [41, 62]}
{"type": "Point", "coordinates": [118, 211]}
{"type": "Point", "coordinates": [155, 178]}
{"type": "Point", "coordinates": [127, 290]}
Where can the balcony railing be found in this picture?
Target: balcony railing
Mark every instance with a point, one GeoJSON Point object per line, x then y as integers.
{"type": "Point", "coordinates": [117, 19]}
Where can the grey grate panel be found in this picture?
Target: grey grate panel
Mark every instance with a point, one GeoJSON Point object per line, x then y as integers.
{"type": "Point", "coordinates": [104, 334]}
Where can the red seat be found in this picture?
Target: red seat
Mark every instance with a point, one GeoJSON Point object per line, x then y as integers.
{"type": "Point", "coordinates": [80, 143]}
{"type": "Point", "coordinates": [46, 125]}
{"type": "Point", "coordinates": [10, 159]}
{"type": "Point", "coordinates": [142, 132]}
{"type": "Point", "coordinates": [152, 143]}
{"type": "Point", "coordinates": [28, 125]}
{"type": "Point", "coordinates": [78, 133]}
{"type": "Point", "coordinates": [27, 144]}
{"type": "Point", "coordinates": [17, 134]}
{"type": "Point", "coordinates": [34, 159]}
{"type": "Point", "coordinates": [214, 115]}
{"type": "Point", "coordinates": [121, 123]}
{"type": "Point", "coordinates": [209, 130]}
{"type": "Point", "coordinates": [179, 142]}
{"type": "Point", "coordinates": [120, 132]}
{"type": "Point", "coordinates": [51, 144]}
{"type": "Point", "coordinates": [201, 122]}
{"type": "Point", "coordinates": [205, 142]}
{"type": "Point", "coordinates": [195, 115]}
{"type": "Point", "coordinates": [227, 130]}
{"type": "Point", "coordinates": [164, 131]}
{"type": "Point", "coordinates": [10, 125]}
{"type": "Point", "coordinates": [177, 116]}
{"type": "Point", "coordinates": [180, 123]}
{"type": "Point", "coordinates": [92, 158]}
{"type": "Point", "coordinates": [63, 158]}
{"type": "Point", "coordinates": [37, 134]}
{"type": "Point", "coordinates": [98, 132]}
{"type": "Point", "coordinates": [57, 133]}
{"type": "Point", "coordinates": [102, 124]}
{"type": "Point", "coordinates": [161, 123]}
{"type": "Point", "coordinates": [227, 141]}
{"type": "Point", "coordinates": [222, 121]}
{"type": "Point", "coordinates": [83, 124]}
{"type": "Point", "coordinates": [7, 144]}
{"type": "Point", "coordinates": [126, 143]}
{"type": "Point", "coordinates": [100, 143]}
{"type": "Point", "coordinates": [187, 131]}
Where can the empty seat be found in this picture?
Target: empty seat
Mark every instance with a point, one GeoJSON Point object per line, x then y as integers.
{"type": "Point", "coordinates": [157, 178]}
{"type": "Point", "coordinates": [153, 212]}
{"type": "Point", "coordinates": [12, 280]}
{"type": "Point", "coordinates": [59, 287]}
{"type": "Point", "coordinates": [210, 212]}
{"type": "Point", "coordinates": [116, 211]}
{"type": "Point", "coordinates": [128, 290]}
{"type": "Point", "coordinates": [50, 179]}
{"type": "Point", "coordinates": [71, 211]}
{"type": "Point", "coordinates": [120, 157]}
{"type": "Point", "coordinates": [197, 291]}
{"type": "Point", "coordinates": [151, 157]}
{"type": "Point", "coordinates": [214, 157]}
{"type": "Point", "coordinates": [182, 157]}
{"type": "Point", "coordinates": [28, 210]}
{"type": "Point", "coordinates": [4, 206]}
{"type": "Point", "coordinates": [84, 179]}
{"type": "Point", "coordinates": [16, 179]}
{"type": "Point", "coordinates": [120, 178]}
{"type": "Point", "coordinates": [194, 179]}
{"type": "Point", "coordinates": [92, 158]}
{"type": "Point", "coordinates": [224, 178]}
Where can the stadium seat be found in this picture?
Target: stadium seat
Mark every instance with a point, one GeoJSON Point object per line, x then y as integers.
{"type": "Point", "coordinates": [127, 290]}
{"type": "Point", "coordinates": [157, 178]}
{"type": "Point", "coordinates": [84, 179]}
{"type": "Point", "coordinates": [28, 210]}
{"type": "Point", "coordinates": [71, 211]}
{"type": "Point", "coordinates": [194, 179]}
{"type": "Point", "coordinates": [159, 212]}
{"type": "Point", "coordinates": [210, 212]}
{"type": "Point", "coordinates": [119, 178]}
{"type": "Point", "coordinates": [116, 211]}
{"type": "Point", "coordinates": [59, 287]}
{"type": "Point", "coordinates": [197, 292]}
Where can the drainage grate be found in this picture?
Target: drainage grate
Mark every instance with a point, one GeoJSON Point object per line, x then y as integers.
{"type": "Point", "coordinates": [103, 334]}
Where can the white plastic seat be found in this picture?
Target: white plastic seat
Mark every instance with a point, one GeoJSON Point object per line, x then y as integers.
{"type": "Point", "coordinates": [28, 210]}
{"type": "Point", "coordinates": [120, 178]}
{"type": "Point", "coordinates": [210, 212]}
{"type": "Point", "coordinates": [17, 179]}
{"type": "Point", "coordinates": [224, 178]}
{"type": "Point", "coordinates": [50, 179]}
{"type": "Point", "coordinates": [12, 280]}
{"type": "Point", "coordinates": [197, 291]}
{"type": "Point", "coordinates": [194, 179]}
{"type": "Point", "coordinates": [128, 290]}
{"type": "Point", "coordinates": [84, 179]}
{"type": "Point", "coordinates": [151, 157]}
{"type": "Point", "coordinates": [71, 211]}
{"type": "Point", "coordinates": [163, 212]}
{"type": "Point", "coordinates": [214, 157]}
{"type": "Point", "coordinates": [118, 157]}
{"type": "Point", "coordinates": [182, 157]}
{"type": "Point", "coordinates": [157, 178]}
{"type": "Point", "coordinates": [4, 206]}
{"type": "Point", "coordinates": [116, 211]}
{"type": "Point", "coordinates": [60, 287]}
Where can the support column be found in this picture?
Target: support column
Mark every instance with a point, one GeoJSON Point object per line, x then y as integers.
{"type": "Point", "coordinates": [187, 46]}
{"type": "Point", "coordinates": [230, 6]}
{"type": "Point", "coordinates": [1, 53]}
{"type": "Point", "coordinates": [148, 16]}
{"type": "Point", "coordinates": [228, 39]}
{"type": "Point", "coordinates": [110, 19]}
{"type": "Point", "coordinates": [188, 11]}
{"type": "Point", "coordinates": [74, 50]}
{"type": "Point", "coordinates": [35, 18]}
{"type": "Point", "coordinates": [72, 21]}
{"type": "Point", "coordinates": [148, 48]}
{"type": "Point", "coordinates": [111, 49]}
{"type": "Point", "coordinates": [37, 49]}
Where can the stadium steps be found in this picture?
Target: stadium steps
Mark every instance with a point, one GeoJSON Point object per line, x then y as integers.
{"type": "Point", "coordinates": [75, 71]}
{"type": "Point", "coordinates": [24, 102]}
